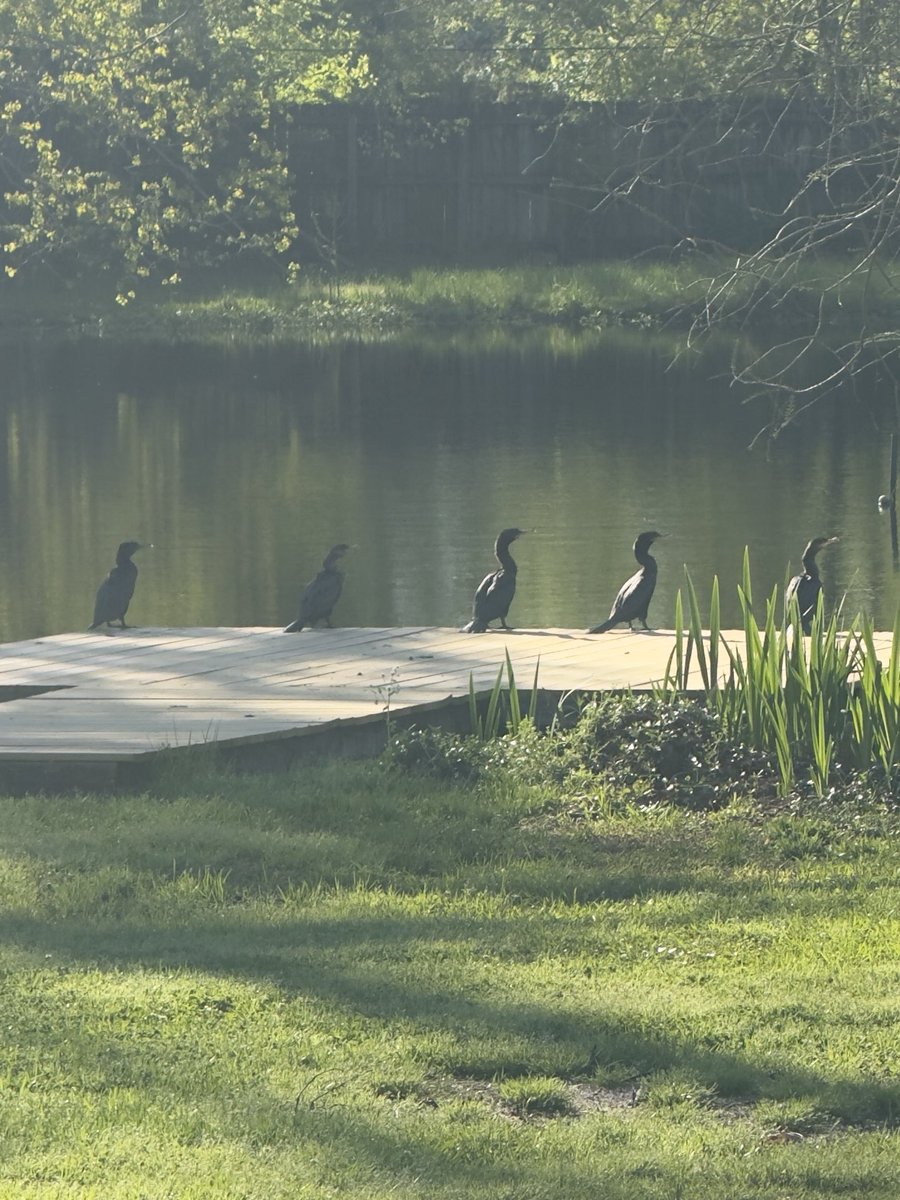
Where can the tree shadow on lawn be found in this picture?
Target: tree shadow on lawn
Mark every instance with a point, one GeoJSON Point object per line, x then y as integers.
{"type": "Point", "coordinates": [406, 850]}
{"type": "Point", "coordinates": [549, 873]}
{"type": "Point", "coordinates": [341, 1140]}
{"type": "Point", "coordinates": [263, 845]}
{"type": "Point", "coordinates": [358, 966]}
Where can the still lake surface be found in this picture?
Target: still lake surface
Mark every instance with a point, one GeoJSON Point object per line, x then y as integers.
{"type": "Point", "coordinates": [243, 464]}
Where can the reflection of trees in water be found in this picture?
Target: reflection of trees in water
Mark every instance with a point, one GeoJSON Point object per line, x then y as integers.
{"type": "Point", "coordinates": [241, 464]}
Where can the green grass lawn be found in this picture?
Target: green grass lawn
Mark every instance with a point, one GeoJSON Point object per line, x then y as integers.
{"type": "Point", "coordinates": [664, 293]}
{"type": "Point", "coordinates": [354, 982]}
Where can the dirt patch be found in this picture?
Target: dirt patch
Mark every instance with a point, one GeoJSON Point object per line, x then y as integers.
{"type": "Point", "coordinates": [585, 1098]}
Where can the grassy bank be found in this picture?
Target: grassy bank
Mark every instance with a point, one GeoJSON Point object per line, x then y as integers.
{"type": "Point", "coordinates": [363, 982]}
{"type": "Point", "coordinates": [595, 295]}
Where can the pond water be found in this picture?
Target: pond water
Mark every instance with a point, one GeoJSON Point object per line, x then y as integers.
{"type": "Point", "coordinates": [243, 464]}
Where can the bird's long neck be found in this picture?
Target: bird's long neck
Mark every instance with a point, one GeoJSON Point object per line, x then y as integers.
{"type": "Point", "coordinates": [504, 558]}
{"type": "Point", "coordinates": [122, 559]}
{"type": "Point", "coordinates": [644, 557]}
{"type": "Point", "coordinates": [809, 564]}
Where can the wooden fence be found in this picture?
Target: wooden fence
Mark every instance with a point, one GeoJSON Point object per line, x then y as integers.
{"type": "Point", "coordinates": [495, 181]}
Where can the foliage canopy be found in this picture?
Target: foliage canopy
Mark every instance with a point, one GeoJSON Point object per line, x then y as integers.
{"type": "Point", "coordinates": [139, 136]}
{"type": "Point", "coordinates": [144, 137]}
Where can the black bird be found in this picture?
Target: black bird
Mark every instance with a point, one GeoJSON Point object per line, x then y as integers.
{"type": "Point", "coordinates": [494, 594]}
{"type": "Point", "coordinates": [322, 593]}
{"type": "Point", "coordinates": [115, 592]}
{"type": "Point", "coordinates": [635, 594]}
{"type": "Point", "coordinates": [808, 586]}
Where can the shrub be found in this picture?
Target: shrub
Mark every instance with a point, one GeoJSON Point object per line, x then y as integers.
{"type": "Point", "coordinates": [670, 748]}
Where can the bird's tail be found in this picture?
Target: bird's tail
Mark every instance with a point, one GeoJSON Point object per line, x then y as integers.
{"type": "Point", "coordinates": [475, 626]}
{"type": "Point", "coordinates": [294, 627]}
{"type": "Point", "coordinates": [602, 627]}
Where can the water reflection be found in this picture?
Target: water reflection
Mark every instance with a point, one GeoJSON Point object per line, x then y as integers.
{"type": "Point", "coordinates": [243, 465]}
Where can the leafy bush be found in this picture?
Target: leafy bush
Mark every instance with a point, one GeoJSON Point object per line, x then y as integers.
{"type": "Point", "coordinates": [665, 748]}
{"type": "Point", "coordinates": [643, 747]}
{"type": "Point", "coordinates": [442, 755]}
{"type": "Point", "coordinates": [527, 755]}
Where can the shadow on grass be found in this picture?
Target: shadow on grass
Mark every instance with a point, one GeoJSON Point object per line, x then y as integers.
{"type": "Point", "coordinates": [268, 837]}
{"type": "Point", "coordinates": [373, 967]}
{"type": "Point", "coordinates": [106, 894]}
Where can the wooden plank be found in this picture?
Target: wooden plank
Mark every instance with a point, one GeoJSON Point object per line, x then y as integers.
{"type": "Point", "coordinates": [134, 693]}
{"type": "Point", "coordinates": [149, 663]}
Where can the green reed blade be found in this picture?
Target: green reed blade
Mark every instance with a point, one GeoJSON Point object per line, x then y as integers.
{"type": "Point", "coordinates": [515, 713]}
{"type": "Point", "coordinates": [746, 584]}
{"type": "Point", "coordinates": [680, 672]}
{"type": "Point", "coordinates": [533, 700]}
{"type": "Point", "coordinates": [491, 725]}
{"type": "Point", "coordinates": [822, 748]}
{"type": "Point", "coordinates": [475, 722]}
{"type": "Point", "coordinates": [715, 633]}
{"type": "Point", "coordinates": [893, 674]}
{"type": "Point", "coordinates": [696, 632]}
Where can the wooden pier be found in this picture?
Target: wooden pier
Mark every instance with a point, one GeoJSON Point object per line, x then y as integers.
{"type": "Point", "coordinates": [81, 708]}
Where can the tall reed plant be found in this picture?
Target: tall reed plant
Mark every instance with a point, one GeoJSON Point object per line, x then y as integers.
{"type": "Point", "coordinates": [820, 703]}
{"type": "Point", "coordinates": [503, 713]}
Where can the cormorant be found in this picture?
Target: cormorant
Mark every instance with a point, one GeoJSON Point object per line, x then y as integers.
{"type": "Point", "coordinates": [494, 594]}
{"type": "Point", "coordinates": [115, 592]}
{"type": "Point", "coordinates": [635, 594]}
{"type": "Point", "coordinates": [322, 593]}
{"type": "Point", "coordinates": [808, 586]}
